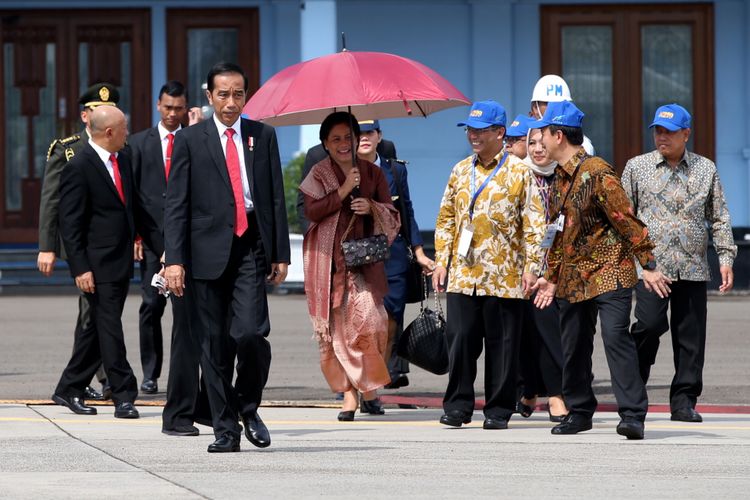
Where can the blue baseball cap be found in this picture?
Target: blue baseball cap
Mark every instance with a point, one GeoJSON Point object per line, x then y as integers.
{"type": "Point", "coordinates": [368, 125]}
{"type": "Point", "coordinates": [563, 113]}
{"type": "Point", "coordinates": [671, 117]}
{"type": "Point", "coordinates": [485, 114]}
{"type": "Point", "coordinates": [519, 127]}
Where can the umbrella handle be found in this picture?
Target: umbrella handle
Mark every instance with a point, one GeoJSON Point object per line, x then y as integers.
{"type": "Point", "coordinates": [406, 103]}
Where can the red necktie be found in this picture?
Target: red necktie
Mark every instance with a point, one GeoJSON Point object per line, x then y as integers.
{"type": "Point", "coordinates": [118, 179]}
{"type": "Point", "coordinates": [168, 159]}
{"type": "Point", "coordinates": [233, 167]}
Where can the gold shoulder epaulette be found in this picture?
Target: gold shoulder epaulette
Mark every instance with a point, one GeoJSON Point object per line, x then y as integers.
{"type": "Point", "coordinates": [70, 140]}
{"type": "Point", "coordinates": [51, 147]}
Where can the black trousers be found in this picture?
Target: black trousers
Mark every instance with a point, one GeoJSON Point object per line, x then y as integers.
{"type": "Point", "coordinates": [688, 304]}
{"type": "Point", "coordinates": [578, 326]}
{"type": "Point", "coordinates": [496, 322]}
{"type": "Point", "coordinates": [540, 357]}
{"type": "Point", "coordinates": [181, 407]}
{"type": "Point", "coordinates": [149, 318]}
{"type": "Point", "coordinates": [101, 339]}
{"type": "Point", "coordinates": [232, 320]}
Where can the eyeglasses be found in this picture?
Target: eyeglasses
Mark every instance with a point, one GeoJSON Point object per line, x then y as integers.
{"type": "Point", "coordinates": [472, 130]}
{"type": "Point", "coordinates": [512, 140]}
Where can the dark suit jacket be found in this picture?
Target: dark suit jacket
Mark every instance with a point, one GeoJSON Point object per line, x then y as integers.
{"type": "Point", "coordinates": [96, 227]}
{"type": "Point", "coordinates": [199, 211]}
{"type": "Point", "coordinates": [386, 149]}
{"type": "Point", "coordinates": [57, 157]}
{"type": "Point", "coordinates": [148, 175]}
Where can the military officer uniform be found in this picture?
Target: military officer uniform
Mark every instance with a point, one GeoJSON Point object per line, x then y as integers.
{"type": "Point", "coordinates": [60, 152]}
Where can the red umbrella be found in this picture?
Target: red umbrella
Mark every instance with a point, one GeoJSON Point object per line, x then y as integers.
{"type": "Point", "coordinates": [372, 85]}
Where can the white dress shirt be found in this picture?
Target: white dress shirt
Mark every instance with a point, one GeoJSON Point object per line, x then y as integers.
{"type": "Point", "coordinates": [163, 133]}
{"type": "Point", "coordinates": [104, 155]}
{"type": "Point", "coordinates": [237, 138]}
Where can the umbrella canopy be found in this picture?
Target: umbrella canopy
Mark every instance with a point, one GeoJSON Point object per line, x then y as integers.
{"type": "Point", "coordinates": [372, 85]}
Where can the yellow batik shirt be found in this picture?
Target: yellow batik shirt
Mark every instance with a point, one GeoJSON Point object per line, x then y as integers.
{"type": "Point", "coordinates": [508, 228]}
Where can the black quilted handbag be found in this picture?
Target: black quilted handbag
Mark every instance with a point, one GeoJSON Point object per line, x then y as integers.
{"type": "Point", "coordinates": [423, 342]}
{"type": "Point", "coordinates": [369, 250]}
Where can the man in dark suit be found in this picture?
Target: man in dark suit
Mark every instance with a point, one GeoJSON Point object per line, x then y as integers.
{"type": "Point", "coordinates": [386, 149]}
{"type": "Point", "coordinates": [60, 152]}
{"type": "Point", "coordinates": [98, 217]}
{"type": "Point", "coordinates": [225, 228]}
{"type": "Point", "coordinates": [152, 153]}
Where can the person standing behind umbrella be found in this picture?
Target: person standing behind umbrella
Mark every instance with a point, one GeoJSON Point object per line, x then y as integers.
{"type": "Point", "coordinates": [489, 231]}
{"type": "Point", "coordinates": [346, 305]}
{"type": "Point", "coordinates": [406, 244]}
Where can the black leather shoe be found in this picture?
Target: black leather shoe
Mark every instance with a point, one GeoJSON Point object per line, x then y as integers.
{"type": "Point", "coordinates": [346, 416]}
{"type": "Point", "coordinates": [686, 415]}
{"type": "Point", "coordinates": [401, 380]}
{"type": "Point", "coordinates": [75, 404]}
{"type": "Point", "coordinates": [149, 386]}
{"type": "Point", "coordinates": [573, 424]}
{"type": "Point", "coordinates": [106, 392]}
{"type": "Point", "coordinates": [126, 410]}
{"type": "Point", "coordinates": [631, 429]}
{"type": "Point", "coordinates": [227, 443]}
{"type": "Point", "coordinates": [373, 406]}
{"type": "Point", "coordinates": [256, 431]}
{"type": "Point", "coordinates": [92, 394]}
{"type": "Point", "coordinates": [455, 419]}
{"type": "Point", "coordinates": [181, 430]}
{"type": "Point", "coordinates": [524, 410]}
{"type": "Point", "coordinates": [495, 423]}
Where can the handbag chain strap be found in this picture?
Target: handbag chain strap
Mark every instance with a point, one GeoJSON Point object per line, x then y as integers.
{"type": "Point", "coordinates": [438, 304]}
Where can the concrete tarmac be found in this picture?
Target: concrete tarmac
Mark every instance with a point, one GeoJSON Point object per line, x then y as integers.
{"type": "Point", "coordinates": [48, 452]}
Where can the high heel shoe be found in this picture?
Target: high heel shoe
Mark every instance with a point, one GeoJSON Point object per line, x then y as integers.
{"type": "Point", "coordinates": [524, 410]}
{"type": "Point", "coordinates": [346, 416]}
{"type": "Point", "coordinates": [373, 406]}
{"type": "Point", "coordinates": [555, 418]}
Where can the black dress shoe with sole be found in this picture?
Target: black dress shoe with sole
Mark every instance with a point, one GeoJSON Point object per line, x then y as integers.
{"type": "Point", "coordinates": [149, 386]}
{"type": "Point", "coordinates": [398, 382]}
{"type": "Point", "coordinates": [631, 429]}
{"type": "Point", "coordinates": [686, 415]}
{"type": "Point", "coordinates": [181, 430]}
{"type": "Point", "coordinates": [455, 419]}
{"type": "Point", "coordinates": [573, 424]}
{"type": "Point", "coordinates": [495, 423]}
{"type": "Point", "coordinates": [126, 410]}
{"type": "Point", "coordinates": [346, 416]}
{"type": "Point", "coordinates": [256, 431]}
{"type": "Point", "coordinates": [75, 404]}
{"type": "Point", "coordinates": [373, 406]}
{"type": "Point", "coordinates": [92, 394]}
{"type": "Point", "coordinates": [227, 443]}
{"type": "Point", "coordinates": [524, 410]}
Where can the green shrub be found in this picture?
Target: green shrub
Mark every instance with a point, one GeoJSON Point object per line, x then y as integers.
{"type": "Point", "coordinates": [292, 174]}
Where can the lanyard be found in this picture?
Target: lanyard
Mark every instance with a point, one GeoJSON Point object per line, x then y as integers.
{"type": "Point", "coordinates": [570, 188]}
{"type": "Point", "coordinates": [477, 192]}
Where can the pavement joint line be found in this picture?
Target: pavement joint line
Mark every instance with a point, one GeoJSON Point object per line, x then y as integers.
{"type": "Point", "coordinates": [100, 450]}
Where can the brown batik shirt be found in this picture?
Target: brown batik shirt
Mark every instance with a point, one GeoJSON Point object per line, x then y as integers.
{"type": "Point", "coordinates": [594, 253]}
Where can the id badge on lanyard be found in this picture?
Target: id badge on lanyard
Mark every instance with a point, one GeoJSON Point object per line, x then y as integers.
{"type": "Point", "coordinates": [551, 231]}
{"type": "Point", "coordinates": [467, 233]}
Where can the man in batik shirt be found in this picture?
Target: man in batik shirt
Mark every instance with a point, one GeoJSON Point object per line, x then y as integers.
{"type": "Point", "coordinates": [591, 271]}
{"type": "Point", "coordinates": [677, 193]}
{"type": "Point", "coordinates": [488, 232]}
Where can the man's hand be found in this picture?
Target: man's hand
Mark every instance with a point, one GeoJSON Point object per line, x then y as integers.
{"type": "Point", "coordinates": [195, 115]}
{"type": "Point", "coordinates": [656, 282]}
{"type": "Point", "coordinates": [45, 262]}
{"type": "Point", "coordinates": [439, 275]}
{"type": "Point", "coordinates": [727, 279]}
{"type": "Point", "coordinates": [85, 282]}
{"type": "Point", "coordinates": [175, 275]}
{"type": "Point", "coordinates": [138, 250]}
{"type": "Point", "coordinates": [528, 280]}
{"type": "Point", "coordinates": [428, 265]}
{"type": "Point", "coordinates": [545, 293]}
{"type": "Point", "coordinates": [278, 273]}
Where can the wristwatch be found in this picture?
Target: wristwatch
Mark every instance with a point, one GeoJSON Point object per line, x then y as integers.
{"type": "Point", "coordinates": [650, 266]}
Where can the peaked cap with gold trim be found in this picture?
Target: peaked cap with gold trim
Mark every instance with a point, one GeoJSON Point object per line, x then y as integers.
{"type": "Point", "coordinates": [100, 94]}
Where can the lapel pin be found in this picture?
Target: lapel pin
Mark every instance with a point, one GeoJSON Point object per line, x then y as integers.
{"type": "Point", "coordinates": [250, 142]}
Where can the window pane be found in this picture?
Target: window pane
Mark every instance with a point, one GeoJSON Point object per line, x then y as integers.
{"type": "Point", "coordinates": [125, 84]}
{"type": "Point", "coordinates": [667, 71]}
{"type": "Point", "coordinates": [587, 67]}
{"type": "Point", "coordinates": [45, 123]}
{"type": "Point", "coordinates": [16, 137]}
{"type": "Point", "coordinates": [206, 47]}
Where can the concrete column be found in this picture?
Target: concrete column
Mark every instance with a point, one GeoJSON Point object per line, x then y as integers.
{"type": "Point", "coordinates": [158, 54]}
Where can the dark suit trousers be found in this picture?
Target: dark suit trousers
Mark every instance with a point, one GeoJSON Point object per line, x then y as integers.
{"type": "Point", "coordinates": [232, 319]}
{"type": "Point", "coordinates": [149, 318]}
{"type": "Point", "coordinates": [688, 303]}
{"type": "Point", "coordinates": [541, 358]}
{"type": "Point", "coordinates": [104, 340]}
{"type": "Point", "coordinates": [578, 325]}
{"type": "Point", "coordinates": [183, 383]}
{"type": "Point", "coordinates": [471, 321]}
